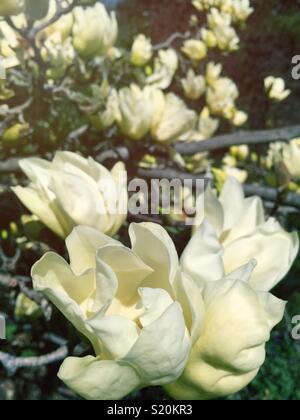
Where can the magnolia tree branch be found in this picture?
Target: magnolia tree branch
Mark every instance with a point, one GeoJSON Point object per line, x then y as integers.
{"type": "Point", "coordinates": [285, 134]}
{"type": "Point", "coordinates": [271, 194]}
{"type": "Point", "coordinates": [242, 137]}
{"type": "Point", "coordinates": [266, 193]}
{"type": "Point", "coordinates": [13, 363]}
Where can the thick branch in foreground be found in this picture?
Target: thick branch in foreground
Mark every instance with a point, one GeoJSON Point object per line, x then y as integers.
{"type": "Point", "coordinates": [266, 193]}
{"type": "Point", "coordinates": [242, 137]}
{"type": "Point", "coordinates": [271, 194]}
{"type": "Point", "coordinates": [215, 143]}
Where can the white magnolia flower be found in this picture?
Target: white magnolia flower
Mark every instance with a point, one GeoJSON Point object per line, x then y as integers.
{"type": "Point", "coordinates": [241, 10]}
{"type": "Point", "coordinates": [275, 89]}
{"type": "Point", "coordinates": [221, 97]}
{"type": "Point", "coordinates": [94, 31]}
{"type": "Point", "coordinates": [226, 38]}
{"type": "Point", "coordinates": [194, 86]}
{"type": "Point", "coordinates": [194, 49]}
{"type": "Point", "coordinates": [124, 302]}
{"type": "Point", "coordinates": [72, 190]}
{"type": "Point", "coordinates": [291, 157]}
{"type": "Point", "coordinates": [217, 19]}
{"type": "Point", "coordinates": [220, 24]}
{"type": "Point", "coordinates": [175, 120]}
{"type": "Point", "coordinates": [209, 38]}
{"type": "Point", "coordinates": [207, 125]}
{"type": "Point", "coordinates": [239, 118]}
{"type": "Point", "coordinates": [213, 72]}
{"type": "Point", "coordinates": [141, 51]}
{"type": "Point", "coordinates": [237, 324]}
{"type": "Point", "coordinates": [165, 67]}
{"type": "Point", "coordinates": [135, 111]}
{"type": "Point", "coordinates": [9, 42]}
{"type": "Point", "coordinates": [245, 233]}
{"type": "Point", "coordinates": [106, 118]}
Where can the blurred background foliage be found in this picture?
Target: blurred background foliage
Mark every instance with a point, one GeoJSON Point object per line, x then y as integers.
{"type": "Point", "coordinates": [272, 37]}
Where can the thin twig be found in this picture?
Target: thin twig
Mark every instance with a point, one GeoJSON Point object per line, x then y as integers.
{"type": "Point", "coordinates": [168, 42]}
{"type": "Point", "coordinates": [21, 282]}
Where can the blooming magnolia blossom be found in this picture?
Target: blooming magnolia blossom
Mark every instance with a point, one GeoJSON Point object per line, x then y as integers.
{"type": "Point", "coordinates": [134, 113]}
{"type": "Point", "coordinates": [72, 190]}
{"type": "Point", "coordinates": [194, 49]}
{"type": "Point", "coordinates": [123, 301]}
{"type": "Point", "coordinates": [165, 67]}
{"type": "Point", "coordinates": [275, 88]}
{"type": "Point", "coordinates": [221, 97]}
{"type": "Point", "coordinates": [175, 120]}
{"type": "Point", "coordinates": [238, 10]}
{"type": "Point", "coordinates": [237, 324]}
{"type": "Point", "coordinates": [288, 153]}
{"type": "Point", "coordinates": [213, 72]}
{"type": "Point", "coordinates": [246, 233]}
{"type": "Point", "coordinates": [194, 86]}
{"type": "Point", "coordinates": [141, 51]}
{"type": "Point", "coordinates": [291, 157]}
{"type": "Point", "coordinates": [94, 30]}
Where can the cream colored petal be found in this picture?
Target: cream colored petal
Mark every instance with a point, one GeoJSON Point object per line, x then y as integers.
{"type": "Point", "coordinates": [154, 246]}
{"type": "Point", "coordinates": [244, 272]}
{"type": "Point", "coordinates": [117, 334]}
{"type": "Point", "coordinates": [82, 245]}
{"type": "Point", "coordinates": [189, 295]}
{"type": "Point", "coordinates": [81, 201]}
{"type": "Point", "coordinates": [253, 215]}
{"type": "Point", "coordinates": [273, 248]}
{"type": "Point", "coordinates": [38, 206]}
{"type": "Point", "coordinates": [52, 271]}
{"type": "Point", "coordinates": [162, 349]}
{"type": "Point", "coordinates": [106, 286]}
{"type": "Point", "coordinates": [233, 309]}
{"type": "Point", "coordinates": [155, 303]}
{"type": "Point", "coordinates": [129, 269]}
{"type": "Point", "coordinates": [202, 257]}
{"type": "Point", "coordinates": [37, 170]}
{"type": "Point", "coordinates": [208, 206]}
{"type": "Point", "coordinates": [71, 162]}
{"type": "Point", "coordinates": [232, 200]}
{"type": "Point", "coordinates": [94, 379]}
{"type": "Point", "coordinates": [118, 173]}
{"type": "Point", "coordinates": [52, 277]}
{"type": "Point", "coordinates": [231, 348]}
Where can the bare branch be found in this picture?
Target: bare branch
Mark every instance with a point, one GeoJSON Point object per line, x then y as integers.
{"type": "Point", "coordinates": [271, 194]}
{"type": "Point", "coordinates": [13, 363]}
{"type": "Point", "coordinates": [61, 11]}
{"type": "Point", "coordinates": [266, 193]}
{"type": "Point", "coordinates": [243, 137]}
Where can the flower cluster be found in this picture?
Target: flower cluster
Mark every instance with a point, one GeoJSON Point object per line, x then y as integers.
{"type": "Point", "coordinates": [215, 298]}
